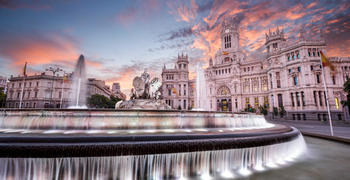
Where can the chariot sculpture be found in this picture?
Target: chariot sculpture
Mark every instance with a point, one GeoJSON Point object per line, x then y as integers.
{"type": "Point", "coordinates": [145, 94]}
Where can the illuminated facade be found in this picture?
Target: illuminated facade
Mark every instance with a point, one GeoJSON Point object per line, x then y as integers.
{"type": "Point", "coordinates": [289, 76]}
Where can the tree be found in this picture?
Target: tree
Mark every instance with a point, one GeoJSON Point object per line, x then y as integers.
{"type": "Point", "coordinates": [282, 111]}
{"type": "Point", "coordinates": [263, 110]}
{"type": "Point", "coordinates": [347, 90]}
{"type": "Point", "coordinates": [98, 101]}
{"type": "Point", "coordinates": [275, 111]}
{"type": "Point", "coordinates": [112, 101]}
{"type": "Point", "coordinates": [2, 99]}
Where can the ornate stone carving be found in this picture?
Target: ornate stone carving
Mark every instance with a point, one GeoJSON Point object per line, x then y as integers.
{"type": "Point", "coordinates": [144, 94]}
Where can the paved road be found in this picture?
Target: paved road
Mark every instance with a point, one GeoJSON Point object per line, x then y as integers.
{"type": "Point", "coordinates": [340, 131]}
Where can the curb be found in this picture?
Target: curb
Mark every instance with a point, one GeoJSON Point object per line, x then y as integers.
{"type": "Point", "coordinates": [327, 137]}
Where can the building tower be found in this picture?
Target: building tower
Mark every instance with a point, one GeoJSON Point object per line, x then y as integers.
{"type": "Point", "coordinates": [274, 41]}
{"type": "Point", "coordinates": [230, 35]}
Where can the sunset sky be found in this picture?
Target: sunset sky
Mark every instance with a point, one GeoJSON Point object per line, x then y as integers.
{"type": "Point", "coordinates": [121, 38]}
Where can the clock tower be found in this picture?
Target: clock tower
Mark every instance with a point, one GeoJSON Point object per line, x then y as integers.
{"type": "Point", "coordinates": [229, 35]}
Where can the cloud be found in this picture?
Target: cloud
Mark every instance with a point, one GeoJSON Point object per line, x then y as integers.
{"type": "Point", "coordinates": [138, 10]}
{"type": "Point", "coordinates": [184, 11]}
{"type": "Point", "coordinates": [179, 33]}
{"type": "Point", "coordinates": [255, 18]}
{"type": "Point", "coordinates": [22, 4]}
{"type": "Point", "coordinates": [38, 48]}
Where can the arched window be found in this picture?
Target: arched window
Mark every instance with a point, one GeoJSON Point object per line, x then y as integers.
{"type": "Point", "coordinates": [223, 91]}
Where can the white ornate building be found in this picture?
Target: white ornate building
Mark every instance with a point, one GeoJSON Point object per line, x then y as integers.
{"type": "Point", "coordinates": [290, 76]}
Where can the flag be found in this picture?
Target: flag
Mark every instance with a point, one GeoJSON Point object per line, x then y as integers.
{"type": "Point", "coordinates": [224, 53]}
{"type": "Point", "coordinates": [326, 62]}
{"type": "Point", "coordinates": [65, 78]}
{"type": "Point", "coordinates": [174, 90]}
{"type": "Point", "coordinates": [25, 69]}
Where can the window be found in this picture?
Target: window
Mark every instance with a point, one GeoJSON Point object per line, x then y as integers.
{"type": "Point", "coordinates": [297, 97]}
{"type": "Point", "coordinates": [278, 80]}
{"type": "Point", "coordinates": [36, 94]}
{"type": "Point", "coordinates": [18, 94]}
{"type": "Point", "coordinates": [320, 97]}
{"type": "Point", "coordinates": [292, 98]}
{"type": "Point", "coordinates": [315, 98]}
{"type": "Point", "coordinates": [271, 80]}
{"type": "Point", "coordinates": [333, 80]}
{"type": "Point", "coordinates": [280, 100]}
{"type": "Point", "coordinates": [184, 104]}
{"type": "Point", "coordinates": [311, 67]}
{"type": "Point", "coordinates": [303, 98]}
{"type": "Point", "coordinates": [337, 103]}
{"type": "Point", "coordinates": [246, 102]}
{"type": "Point", "coordinates": [295, 80]}
{"type": "Point", "coordinates": [299, 69]}
{"type": "Point", "coordinates": [184, 89]}
{"type": "Point", "coordinates": [256, 102]}
{"type": "Point", "coordinates": [227, 40]}
{"type": "Point", "coordinates": [179, 90]}
{"type": "Point", "coordinates": [318, 80]}
{"type": "Point", "coordinates": [184, 66]}
{"type": "Point", "coordinates": [266, 101]}
{"type": "Point", "coordinates": [20, 84]}
{"type": "Point", "coordinates": [28, 95]}
{"type": "Point", "coordinates": [179, 66]}
{"type": "Point", "coordinates": [37, 83]}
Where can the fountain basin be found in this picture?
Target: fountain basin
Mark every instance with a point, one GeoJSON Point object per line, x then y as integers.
{"type": "Point", "coordinates": [105, 144]}
{"type": "Point", "coordinates": [81, 145]}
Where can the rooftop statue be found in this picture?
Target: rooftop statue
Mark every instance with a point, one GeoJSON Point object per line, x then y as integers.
{"type": "Point", "coordinates": [145, 94]}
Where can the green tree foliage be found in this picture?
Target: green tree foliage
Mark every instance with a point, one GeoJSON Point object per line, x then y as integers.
{"type": "Point", "coordinates": [282, 111]}
{"type": "Point", "coordinates": [275, 111]}
{"type": "Point", "coordinates": [100, 101]}
{"type": "Point", "coordinates": [2, 99]}
{"type": "Point", "coordinates": [347, 90]}
{"type": "Point", "coordinates": [263, 110]}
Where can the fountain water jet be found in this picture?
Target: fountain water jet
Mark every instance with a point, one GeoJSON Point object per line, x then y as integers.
{"type": "Point", "coordinates": [201, 103]}
{"type": "Point", "coordinates": [79, 86]}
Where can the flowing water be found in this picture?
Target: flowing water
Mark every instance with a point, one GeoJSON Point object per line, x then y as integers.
{"type": "Point", "coordinates": [201, 97]}
{"type": "Point", "coordinates": [75, 120]}
{"type": "Point", "coordinates": [79, 86]}
{"type": "Point", "coordinates": [229, 163]}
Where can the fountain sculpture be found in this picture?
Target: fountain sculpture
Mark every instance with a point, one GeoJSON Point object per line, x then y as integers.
{"type": "Point", "coordinates": [145, 94]}
{"type": "Point", "coordinates": [134, 144]}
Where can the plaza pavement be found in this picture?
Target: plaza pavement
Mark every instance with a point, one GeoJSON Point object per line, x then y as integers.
{"type": "Point", "coordinates": [339, 129]}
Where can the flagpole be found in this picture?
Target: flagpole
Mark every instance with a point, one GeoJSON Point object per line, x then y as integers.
{"type": "Point", "coordinates": [327, 101]}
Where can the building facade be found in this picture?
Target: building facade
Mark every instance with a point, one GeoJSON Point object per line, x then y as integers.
{"type": "Point", "coordinates": [289, 77]}
{"type": "Point", "coordinates": [176, 85]}
{"type": "Point", "coordinates": [3, 83]}
{"type": "Point", "coordinates": [46, 91]}
{"type": "Point", "coordinates": [116, 92]}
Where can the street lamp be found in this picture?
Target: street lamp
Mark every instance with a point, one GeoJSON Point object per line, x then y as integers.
{"type": "Point", "coordinates": [54, 70]}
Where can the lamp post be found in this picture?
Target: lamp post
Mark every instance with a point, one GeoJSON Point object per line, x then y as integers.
{"type": "Point", "coordinates": [54, 70]}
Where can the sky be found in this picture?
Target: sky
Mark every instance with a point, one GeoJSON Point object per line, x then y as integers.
{"type": "Point", "coordinates": [120, 39]}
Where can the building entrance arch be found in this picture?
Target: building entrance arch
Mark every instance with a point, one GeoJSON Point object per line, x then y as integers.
{"type": "Point", "coordinates": [223, 100]}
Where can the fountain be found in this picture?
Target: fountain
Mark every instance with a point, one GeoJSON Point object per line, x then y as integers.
{"type": "Point", "coordinates": [201, 103]}
{"type": "Point", "coordinates": [133, 143]}
{"type": "Point", "coordinates": [79, 86]}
